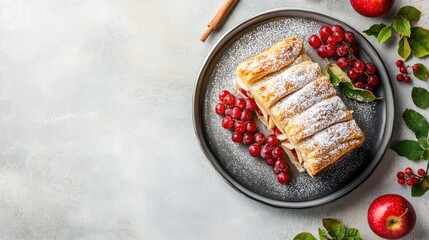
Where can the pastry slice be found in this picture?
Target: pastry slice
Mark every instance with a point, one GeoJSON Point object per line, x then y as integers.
{"type": "Point", "coordinates": [271, 60]}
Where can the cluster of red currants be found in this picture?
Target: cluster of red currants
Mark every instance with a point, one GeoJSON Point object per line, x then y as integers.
{"type": "Point", "coordinates": [237, 114]}
{"type": "Point", "coordinates": [340, 45]}
{"type": "Point", "coordinates": [403, 75]}
{"type": "Point", "coordinates": [409, 178]}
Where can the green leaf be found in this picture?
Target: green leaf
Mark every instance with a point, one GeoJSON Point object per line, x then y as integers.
{"type": "Point", "coordinates": [416, 122]}
{"type": "Point", "coordinates": [422, 73]}
{"type": "Point", "coordinates": [402, 26]}
{"type": "Point", "coordinates": [357, 94]}
{"type": "Point", "coordinates": [409, 149]}
{"type": "Point", "coordinates": [353, 234]}
{"type": "Point", "coordinates": [384, 34]}
{"type": "Point", "coordinates": [420, 97]}
{"type": "Point", "coordinates": [374, 30]}
{"type": "Point", "coordinates": [322, 234]}
{"type": "Point", "coordinates": [425, 155]}
{"type": "Point", "coordinates": [419, 41]}
{"type": "Point", "coordinates": [335, 228]}
{"type": "Point", "coordinates": [336, 74]}
{"type": "Point", "coordinates": [409, 12]}
{"type": "Point", "coordinates": [424, 142]}
{"type": "Point", "coordinates": [420, 188]}
{"type": "Point", "coordinates": [304, 236]}
{"type": "Point", "coordinates": [404, 49]}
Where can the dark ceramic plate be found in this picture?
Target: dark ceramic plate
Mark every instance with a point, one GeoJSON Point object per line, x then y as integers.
{"type": "Point", "coordinates": [252, 176]}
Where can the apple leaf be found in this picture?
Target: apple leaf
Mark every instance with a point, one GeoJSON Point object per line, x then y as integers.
{"type": "Point", "coordinates": [409, 149]}
{"type": "Point", "coordinates": [374, 30]}
{"type": "Point", "coordinates": [409, 12]}
{"type": "Point", "coordinates": [419, 41]}
{"type": "Point", "coordinates": [335, 228]}
{"type": "Point", "coordinates": [420, 97]}
{"type": "Point", "coordinates": [404, 49]}
{"type": "Point", "coordinates": [353, 234]}
{"type": "Point", "coordinates": [322, 234]}
{"type": "Point", "coordinates": [384, 34]}
{"type": "Point", "coordinates": [402, 26]}
{"type": "Point", "coordinates": [421, 187]}
{"type": "Point", "coordinates": [304, 236]}
{"type": "Point", "coordinates": [422, 73]}
{"type": "Point", "coordinates": [416, 122]}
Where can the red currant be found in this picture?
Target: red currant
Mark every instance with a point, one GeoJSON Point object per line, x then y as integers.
{"type": "Point", "coordinates": [410, 182]}
{"type": "Point", "coordinates": [337, 28]}
{"type": "Point", "coordinates": [250, 127]}
{"type": "Point", "coordinates": [354, 49]}
{"type": "Point", "coordinates": [236, 112]}
{"type": "Point", "coordinates": [280, 166]}
{"type": "Point", "coordinates": [416, 68]}
{"type": "Point", "coordinates": [408, 171]}
{"type": "Point", "coordinates": [259, 138]}
{"type": "Point", "coordinates": [251, 104]}
{"type": "Point", "coordinates": [227, 122]}
{"type": "Point", "coordinates": [339, 35]}
{"type": "Point", "coordinates": [352, 74]}
{"type": "Point", "coordinates": [330, 50]}
{"type": "Point", "coordinates": [399, 63]}
{"type": "Point", "coordinates": [368, 88]}
{"type": "Point", "coordinates": [240, 102]}
{"type": "Point", "coordinates": [415, 180]}
{"type": "Point", "coordinates": [403, 70]}
{"type": "Point", "coordinates": [277, 131]}
{"type": "Point", "coordinates": [421, 172]}
{"type": "Point", "coordinates": [401, 181]}
{"type": "Point", "coordinates": [400, 175]}
{"type": "Point", "coordinates": [283, 178]}
{"type": "Point", "coordinates": [237, 137]}
{"type": "Point", "coordinates": [248, 138]}
{"type": "Point", "coordinates": [342, 62]}
{"type": "Point", "coordinates": [400, 77]}
{"type": "Point", "coordinates": [246, 115]}
{"type": "Point", "coordinates": [373, 80]}
{"type": "Point", "coordinates": [322, 51]}
{"type": "Point", "coordinates": [349, 36]}
{"type": "Point", "coordinates": [223, 94]}
{"type": "Point", "coordinates": [266, 152]}
{"type": "Point", "coordinates": [370, 69]}
{"type": "Point", "coordinates": [239, 127]}
{"type": "Point", "coordinates": [325, 31]}
{"type": "Point", "coordinates": [407, 79]}
{"type": "Point", "coordinates": [351, 62]}
{"type": "Point", "coordinates": [278, 152]}
{"type": "Point", "coordinates": [342, 50]}
{"type": "Point", "coordinates": [254, 150]}
{"type": "Point", "coordinates": [314, 41]}
{"type": "Point", "coordinates": [229, 100]}
{"type": "Point", "coordinates": [363, 78]}
{"type": "Point", "coordinates": [332, 40]}
{"type": "Point", "coordinates": [359, 66]}
{"type": "Point", "coordinates": [358, 85]}
{"type": "Point", "coordinates": [272, 140]}
{"type": "Point", "coordinates": [220, 109]}
{"type": "Point", "coordinates": [270, 161]}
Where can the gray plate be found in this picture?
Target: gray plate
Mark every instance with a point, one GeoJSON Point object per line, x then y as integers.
{"type": "Point", "coordinates": [252, 176]}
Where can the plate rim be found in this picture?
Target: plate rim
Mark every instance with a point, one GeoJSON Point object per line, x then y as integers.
{"type": "Point", "coordinates": [197, 117]}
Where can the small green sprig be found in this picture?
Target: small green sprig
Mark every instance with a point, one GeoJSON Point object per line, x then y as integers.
{"type": "Point", "coordinates": [416, 150]}
{"type": "Point", "coordinates": [335, 230]}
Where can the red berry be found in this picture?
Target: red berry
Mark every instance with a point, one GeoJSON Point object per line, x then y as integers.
{"type": "Point", "coordinates": [351, 62]}
{"type": "Point", "coordinates": [403, 70]}
{"type": "Point", "coordinates": [342, 62]}
{"type": "Point", "coordinates": [325, 31]}
{"type": "Point", "coordinates": [223, 94]}
{"type": "Point", "coordinates": [314, 41]}
{"type": "Point", "coordinates": [281, 164]}
{"type": "Point", "coordinates": [407, 79]}
{"type": "Point", "coordinates": [237, 137]}
{"type": "Point", "coordinates": [227, 122]}
{"type": "Point", "coordinates": [251, 104]}
{"type": "Point", "coordinates": [248, 138]}
{"type": "Point", "coordinates": [370, 69]}
{"type": "Point", "coordinates": [416, 68]}
{"type": "Point", "coordinates": [266, 152]}
{"type": "Point", "coordinates": [332, 40]}
{"type": "Point", "coordinates": [342, 50]}
{"type": "Point", "coordinates": [254, 150]}
{"type": "Point", "coordinates": [259, 138]}
{"type": "Point", "coordinates": [229, 100]}
{"type": "Point", "coordinates": [278, 152]}
{"type": "Point", "coordinates": [272, 140]}
{"type": "Point", "coordinates": [352, 74]}
{"type": "Point", "coordinates": [358, 85]}
{"type": "Point", "coordinates": [354, 49]}
{"type": "Point", "coordinates": [363, 78]}
{"type": "Point", "coordinates": [236, 112]}
{"type": "Point", "coordinates": [337, 28]}
{"type": "Point", "coordinates": [359, 66]}
{"type": "Point", "coordinates": [240, 102]}
{"type": "Point", "coordinates": [415, 180]}
{"type": "Point", "coordinates": [368, 88]}
{"type": "Point", "coordinates": [240, 127]}
{"type": "Point", "coordinates": [401, 181]}
{"type": "Point", "coordinates": [410, 182]}
{"type": "Point", "coordinates": [283, 178]}
{"type": "Point", "coordinates": [246, 115]}
{"type": "Point", "coordinates": [228, 112]}
{"type": "Point", "coordinates": [330, 50]}
{"type": "Point", "coordinates": [220, 109]}
{"type": "Point", "coordinates": [373, 80]}
{"type": "Point", "coordinates": [400, 77]}
{"type": "Point", "coordinates": [339, 35]}
{"type": "Point", "coordinates": [322, 51]}
{"type": "Point", "coordinates": [277, 132]}
{"type": "Point", "coordinates": [349, 36]}
{"type": "Point", "coordinates": [408, 171]}
{"type": "Point", "coordinates": [400, 175]}
{"type": "Point", "coordinates": [399, 63]}
{"type": "Point", "coordinates": [270, 161]}
{"type": "Point", "coordinates": [421, 172]}
{"type": "Point", "coordinates": [250, 127]}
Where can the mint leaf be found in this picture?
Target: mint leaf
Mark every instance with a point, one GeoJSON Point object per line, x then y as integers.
{"type": "Point", "coordinates": [322, 234]}
{"type": "Point", "coordinates": [419, 41]}
{"type": "Point", "coordinates": [402, 26]}
{"type": "Point", "coordinates": [374, 30]}
{"type": "Point", "coordinates": [353, 234]}
{"type": "Point", "coordinates": [420, 97]}
{"type": "Point", "coordinates": [420, 188]}
{"type": "Point", "coordinates": [335, 228]}
{"type": "Point", "coordinates": [422, 73]}
{"type": "Point", "coordinates": [416, 122]}
{"type": "Point", "coordinates": [404, 49]}
{"type": "Point", "coordinates": [357, 94]}
{"type": "Point", "coordinates": [424, 142]}
{"type": "Point", "coordinates": [304, 236]}
{"type": "Point", "coordinates": [409, 149]}
{"type": "Point", "coordinates": [384, 34]}
{"type": "Point", "coordinates": [409, 12]}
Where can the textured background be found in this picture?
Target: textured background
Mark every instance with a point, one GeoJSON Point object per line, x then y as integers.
{"type": "Point", "coordinates": [96, 127]}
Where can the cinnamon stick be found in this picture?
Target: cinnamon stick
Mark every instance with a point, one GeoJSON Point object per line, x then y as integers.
{"type": "Point", "coordinates": [218, 18]}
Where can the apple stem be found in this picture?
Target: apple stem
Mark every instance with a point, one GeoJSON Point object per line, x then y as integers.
{"type": "Point", "coordinates": [396, 219]}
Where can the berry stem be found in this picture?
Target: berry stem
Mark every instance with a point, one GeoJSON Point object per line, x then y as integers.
{"type": "Point", "coordinates": [396, 219]}
{"type": "Point", "coordinates": [427, 168]}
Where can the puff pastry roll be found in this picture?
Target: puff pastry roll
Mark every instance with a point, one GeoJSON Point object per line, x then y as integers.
{"type": "Point", "coordinates": [316, 118]}
{"type": "Point", "coordinates": [271, 60]}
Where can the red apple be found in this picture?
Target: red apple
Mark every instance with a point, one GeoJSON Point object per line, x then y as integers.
{"type": "Point", "coordinates": [391, 216]}
{"type": "Point", "coordinates": [372, 8]}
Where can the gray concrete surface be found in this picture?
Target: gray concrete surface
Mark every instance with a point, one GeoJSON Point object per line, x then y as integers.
{"type": "Point", "coordinates": [96, 127]}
